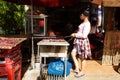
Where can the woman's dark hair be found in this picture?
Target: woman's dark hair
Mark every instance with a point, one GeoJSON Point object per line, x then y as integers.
{"type": "Point", "coordinates": [85, 12]}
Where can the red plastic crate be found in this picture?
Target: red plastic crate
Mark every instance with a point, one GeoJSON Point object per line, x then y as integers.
{"type": "Point", "coordinates": [11, 68]}
{"type": "Point", "coordinates": [3, 71]}
{"type": "Point", "coordinates": [2, 53]}
{"type": "Point", "coordinates": [14, 57]}
{"type": "Point", "coordinates": [14, 70]}
{"type": "Point", "coordinates": [13, 65]}
{"type": "Point", "coordinates": [9, 53]}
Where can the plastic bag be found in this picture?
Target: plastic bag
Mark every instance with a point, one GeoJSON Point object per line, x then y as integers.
{"type": "Point", "coordinates": [57, 68]}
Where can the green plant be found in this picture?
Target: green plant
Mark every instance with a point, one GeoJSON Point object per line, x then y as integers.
{"type": "Point", "coordinates": [11, 17]}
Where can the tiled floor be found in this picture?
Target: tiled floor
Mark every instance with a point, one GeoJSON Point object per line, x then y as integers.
{"type": "Point", "coordinates": [93, 71]}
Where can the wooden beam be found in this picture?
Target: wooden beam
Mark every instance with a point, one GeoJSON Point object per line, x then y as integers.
{"type": "Point", "coordinates": [111, 3]}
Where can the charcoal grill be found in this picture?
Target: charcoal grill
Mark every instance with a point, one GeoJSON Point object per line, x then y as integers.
{"type": "Point", "coordinates": [52, 47]}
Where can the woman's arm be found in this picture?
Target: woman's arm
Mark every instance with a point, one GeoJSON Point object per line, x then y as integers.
{"type": "Point", "coordinates": [84, 32]}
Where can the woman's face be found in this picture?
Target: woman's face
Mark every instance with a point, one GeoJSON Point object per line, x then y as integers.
{"type": "Point", "coordinates": [82, 17]}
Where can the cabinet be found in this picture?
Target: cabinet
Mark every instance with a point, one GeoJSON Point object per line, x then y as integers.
{"type": "Point", "coordinates": [36, 25]}
{"type": "Point", "coordinates": [39, 25]}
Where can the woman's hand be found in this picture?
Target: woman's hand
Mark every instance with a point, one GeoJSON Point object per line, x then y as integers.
{"type": "Point", "coordinates": [73, 35]}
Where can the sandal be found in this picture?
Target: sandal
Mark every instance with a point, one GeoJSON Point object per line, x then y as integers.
{"type": "Point", "coordinates": [79, 75]}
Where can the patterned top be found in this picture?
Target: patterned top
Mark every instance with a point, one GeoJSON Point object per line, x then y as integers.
{"type": "Point", "coordinates": [83, 31]}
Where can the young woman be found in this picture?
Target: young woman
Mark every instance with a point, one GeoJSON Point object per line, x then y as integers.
{"type": "Point", "coordinates": [81, 44]}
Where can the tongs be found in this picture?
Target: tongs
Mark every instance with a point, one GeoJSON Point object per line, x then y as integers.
{"type": "Point", "coordinates": [68, 37]}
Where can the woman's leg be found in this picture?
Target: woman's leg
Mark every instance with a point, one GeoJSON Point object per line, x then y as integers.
{"type": "Point", "coordinates": [83, 64]}
{"type": "Point", "coordinates": [74, 53]}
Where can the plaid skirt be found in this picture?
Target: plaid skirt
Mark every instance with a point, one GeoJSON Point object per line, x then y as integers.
{"type": "Point", "coordinates": [82, 46]}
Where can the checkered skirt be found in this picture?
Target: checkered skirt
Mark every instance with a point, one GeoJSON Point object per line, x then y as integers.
{"type": "Point", "coordinates": [83, 45]}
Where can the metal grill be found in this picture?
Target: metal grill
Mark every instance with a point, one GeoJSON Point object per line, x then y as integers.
{"type": "Point", "coordinates": [51, 48]}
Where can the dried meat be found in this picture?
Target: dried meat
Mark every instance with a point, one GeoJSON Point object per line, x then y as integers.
{"type": "Point", "coordinates": [8, 43]}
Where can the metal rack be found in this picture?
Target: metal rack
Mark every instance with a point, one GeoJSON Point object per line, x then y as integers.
{"type": "Point", "coordinates": [36, 27]}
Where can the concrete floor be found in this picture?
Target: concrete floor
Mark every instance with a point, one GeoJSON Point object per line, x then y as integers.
{"type": "Point", "coordinates": [94, 71]}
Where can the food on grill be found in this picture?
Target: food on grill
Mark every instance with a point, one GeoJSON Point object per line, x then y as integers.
{"type": "Point", "coordinates": [53, 40]}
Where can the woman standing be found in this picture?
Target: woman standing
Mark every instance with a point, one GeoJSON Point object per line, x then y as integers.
{"type": "Point", "coordinates": [81, 44]}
